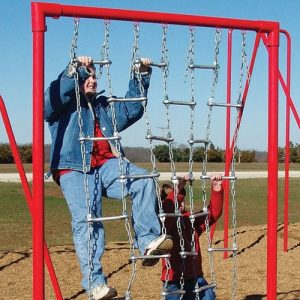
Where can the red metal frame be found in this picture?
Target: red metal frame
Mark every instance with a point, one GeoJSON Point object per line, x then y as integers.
{"type": "Point", "coordinates": [42, 10]}
{"type": "Point", "coordinates": [289, 107]}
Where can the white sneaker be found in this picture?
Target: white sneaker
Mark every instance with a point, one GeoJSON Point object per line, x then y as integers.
{"type": "Point", "coordinates": [104, 291]}
{"type": "Point", "coordinates": [159, 246]}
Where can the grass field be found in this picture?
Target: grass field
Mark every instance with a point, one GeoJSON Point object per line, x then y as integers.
{"type": "Point", "coordinates": [165, 167]}
{"type": "Point", "coordinates": [15, 219]}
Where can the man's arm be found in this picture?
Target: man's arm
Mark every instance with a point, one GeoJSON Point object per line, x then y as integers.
{"type": "Point", "coordinates": [62, 90]}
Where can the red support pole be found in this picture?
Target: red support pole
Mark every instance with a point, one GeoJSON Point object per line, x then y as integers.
{"type": "Point", "coordinates": [38, 29]}
{"type": "Point", "coordinates": [227, 142]}
{"type": "Point", "coordinates": [273, 45]}
{"type": "Point", "coordinates": [287, 145]}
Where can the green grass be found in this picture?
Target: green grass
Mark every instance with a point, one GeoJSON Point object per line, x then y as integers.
{"type": "Point", "coordinates": [15, 219]}
{"type": "Point", "coordinates": [165, 167]}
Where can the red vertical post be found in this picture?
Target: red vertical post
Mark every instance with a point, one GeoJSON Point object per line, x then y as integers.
{"type": "Point", "coordinates": [273, 45]}
{"type": "Point", "coordinates": [227, 142]}
{"type": "Point", "coordinates": [287, 145]}
{"type": "Point", "coordinates": [38, 29]}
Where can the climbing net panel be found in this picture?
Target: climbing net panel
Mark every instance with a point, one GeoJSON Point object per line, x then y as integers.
{"type": "Point", "coordinates": [168, 102]}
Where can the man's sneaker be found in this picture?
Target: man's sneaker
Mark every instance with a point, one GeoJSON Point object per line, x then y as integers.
{"type": "Point", "coordinates": [159, 246]}
{"type": "Point", "coordinates": [103, 291]}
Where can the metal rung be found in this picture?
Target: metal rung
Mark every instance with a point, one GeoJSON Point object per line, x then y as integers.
{"type": "Point", "coordinates": [152, 64]}
{"type": "Point", "coordinates": [201, 141]}
{"type": "Point", "coordinates": [175, 102]}
{"type": "Point", "coordinates": [205, 287]}
{"type": "Point", "coordinates": [204, 177]}
{"type": "Point", "coordinates": [137, 176]}
{"type": "Point", "coordinates": [186, 253]}
{"type": "Point", "coordinates": [222, 249]}
{"type": "Point", "coordinates": [159, 138]}
{"type": "Point", "coordinates": [174, 215]}
{"type": "Point", "coordinates": [137, 99]}
{"type": "Point", "coordinates": [112, 218]}
{"type": "Point", "coordinates": [211, 67]}
{"type": "Point", "coordinates": [134, 257]}
{"type": "Point", "coordinates": [229, 178]}
{"type": "Point", "coordinates": [98, 62]}
{"type": "Point", "coordinates": [109, 138]}
{"type": "Point", "coordinates": [212, 103]}
{"type": "Point", "coordinates": [177, 292]}
{"type": "Point", "coordinates": [200, 214]}
{"type": "Point", "coordinates": [189, 179]}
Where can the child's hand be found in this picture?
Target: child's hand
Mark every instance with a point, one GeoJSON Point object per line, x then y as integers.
{"type": "Point", "coordinates": [216, 182]}
{"type": "Point", "coordinates": [182, 182]}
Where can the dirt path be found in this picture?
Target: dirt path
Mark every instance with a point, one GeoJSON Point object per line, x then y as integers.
{"type": "Point", "coordinates": [16, 270]}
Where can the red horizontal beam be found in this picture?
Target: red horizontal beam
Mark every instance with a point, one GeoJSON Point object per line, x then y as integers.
{"type": "Point", "coordinates": [42, 10]}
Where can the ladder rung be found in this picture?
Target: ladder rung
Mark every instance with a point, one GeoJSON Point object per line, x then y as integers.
{"type": "Point", "coordinates": [159, 138]}
{"type": "Point", "coordinates": [222, 249]}
{"type": "Point", "coordinates": [102, 62]}
{"type": "Point", "coordinates": [98, 62]}
{"type": "Point", "coordinates": [177, 292]}
{"type": "Point", "coordinates": [200, 214]}
{"type": "Point", "coordinates": [175, 102]}
{"type": "Point", "coordinates": [191, 178]}
{"type": "Point", "coordinates": [212, 103]}
{"type": "Point", "coordinates": [136, 257]}
{"type": "Point", "coordinates": [229, 178]}
{"type": "Point", "coordinates": [174, 215]}
{"type": "Point", "coordinates": [139, 176]}
{"type": "Point", "coordinates": [211, 67]}
{"type": "Point", "coordinates": [136, 99]}
{"type": "Point", "coordinates": [205, 287]}
{"type": "Point", "coordinates": [205, 177]}
{"type": "Point", "coordinates": [186, 253]}
{"type": "Point", "coordinates": [109, 138]}
{"type": "Point", "coordinates": [112, 218]}
{"type": "Point", "coordinates": [153, 64]}
{"type": "Point", "coordinates": [200, 141]}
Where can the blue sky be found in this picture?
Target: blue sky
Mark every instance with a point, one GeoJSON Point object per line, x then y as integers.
{"type": "Point", "coordinates": [16, 56]}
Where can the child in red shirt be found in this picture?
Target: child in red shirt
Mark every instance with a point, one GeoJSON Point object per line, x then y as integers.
{"type": "Point", "coordinates": [192, 269]}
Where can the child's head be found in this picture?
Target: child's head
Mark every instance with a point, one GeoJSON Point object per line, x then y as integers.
{"type": "Point", "coordinates": [165, 190]}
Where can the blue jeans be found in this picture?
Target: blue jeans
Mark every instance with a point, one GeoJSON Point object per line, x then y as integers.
{"type": "Point", "coordinates": [189, 287]}
{"type": "Point", "coordinates": [104, 181]}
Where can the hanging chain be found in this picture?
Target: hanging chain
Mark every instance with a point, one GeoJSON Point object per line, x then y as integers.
{"type": "Point", "coordinates": [243, 68]}
{"type": "Point", "coordinates": [191, 71]}
{"type": "Point", "coordinates": [73, 65]}
{"type": "Point", "coordinates": [73, 47]}
{"type": "Point", "coordinates": [205, 158]}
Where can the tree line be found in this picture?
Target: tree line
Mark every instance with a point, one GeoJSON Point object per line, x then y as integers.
{"type": "Point", "coordinates": [180, 153]}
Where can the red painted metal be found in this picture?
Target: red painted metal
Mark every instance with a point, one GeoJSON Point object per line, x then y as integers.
{"type": "Point", "coordinates": [287, 144]}
{"type": "Point", "coordinates": [228, 156]}
{"type": "Point", "coordinates": [27, 192]}
{"type": "Point", "coordinates": [38, 166]}
{"type": "Point", "coordinates": [42, 10]}
{"type": "Point", "coordinates": [272, 217]}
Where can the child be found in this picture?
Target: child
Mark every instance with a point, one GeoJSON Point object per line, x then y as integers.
{"type": "Point", "coordinates": [192, 271]}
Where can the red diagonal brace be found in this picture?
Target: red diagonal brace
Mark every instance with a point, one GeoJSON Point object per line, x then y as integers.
{"type": "Point", "coordinates": [27, 192]}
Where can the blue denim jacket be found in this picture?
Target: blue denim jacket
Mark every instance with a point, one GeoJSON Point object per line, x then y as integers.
{"type": "Point", "coordinates": [60, 111]}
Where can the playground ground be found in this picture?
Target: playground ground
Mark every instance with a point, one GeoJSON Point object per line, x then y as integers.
{"type": "Point", "coordinates": [16, 269]}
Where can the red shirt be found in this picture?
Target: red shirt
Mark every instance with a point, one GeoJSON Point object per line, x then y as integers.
{"type": "Point", "coordinates": [192, 264]}
{"type": "Point", "coordinates": [100, 154]}
{"type": "Point", "coordinates": [101, 149]}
